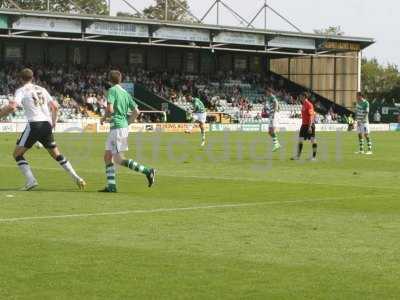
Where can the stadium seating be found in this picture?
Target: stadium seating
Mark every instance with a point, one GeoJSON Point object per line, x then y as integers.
{"type": "Point", "coordinates": [239, 95]}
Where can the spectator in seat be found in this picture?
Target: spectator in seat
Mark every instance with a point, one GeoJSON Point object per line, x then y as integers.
{"type": "Point", "coordinates": [377, 117]}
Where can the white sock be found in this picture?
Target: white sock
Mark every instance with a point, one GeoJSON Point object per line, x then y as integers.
{"type": "Point", "coordinates": [68, 167]}
{"type": "Point", "coordinates": [26, 171]}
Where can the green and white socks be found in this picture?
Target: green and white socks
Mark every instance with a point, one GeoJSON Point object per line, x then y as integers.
{"type": "Point", "coordinates": [111, 182]}
{"type": "Point", "coordinates": [134, 166]}
{"type": "Point", "coordinates": [275, 139]}
{"type": "Point", "coordinates": [129, 163]}
{"type": "Point", "coordinates": [361, 143]}
{"type": "Point", "coordinates": [369, 144]}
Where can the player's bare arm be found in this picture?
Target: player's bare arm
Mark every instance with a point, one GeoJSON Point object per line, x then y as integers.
{"type": "Point", "coordinates": [53, 105]}
{"type": "Point", "coordinates": [8, 109]}
{"type": "Point", "coordinates": [276, 106]}
{"type": "Point", "coordinates": [134, 115]}
{"type": "Point", "coordinates": [108, 113]}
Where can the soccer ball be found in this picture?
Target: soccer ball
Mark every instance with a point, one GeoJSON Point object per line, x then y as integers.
{"type": "Point", "coordinates": [38, 145]}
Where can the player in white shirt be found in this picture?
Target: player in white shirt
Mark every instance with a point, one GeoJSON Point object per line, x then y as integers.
{"type": "Point", "coordinates": [41, 112]}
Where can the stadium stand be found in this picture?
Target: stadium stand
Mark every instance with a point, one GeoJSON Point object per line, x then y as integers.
{"type": "Point", "coordinates": [227, 67]}
{"type": "Point", "coordinates": [79, 91]}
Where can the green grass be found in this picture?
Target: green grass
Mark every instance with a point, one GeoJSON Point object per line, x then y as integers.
{"type": "Point", "coordinates": [252, 225]}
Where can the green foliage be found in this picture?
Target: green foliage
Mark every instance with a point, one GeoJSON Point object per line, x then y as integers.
{"type": "Point", "coordinates": [83, 6]}
{"type": "Point", "coordinates": [98, 7]}
{"type": "Point", "coordinates": [128, 15]}
{"type": "Point", "coordinates": [380, 81]}
{"type": "Point", "coordinates": [331, 30]}
{"type": "Point", "coordinates": [177, 10]}
{"type": "Point", "coordinates": [26, 4]}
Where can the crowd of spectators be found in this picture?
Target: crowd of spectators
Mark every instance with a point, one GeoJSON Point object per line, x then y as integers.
{"type": "Point", "coordinates": [80, 89]}
{"type": "Point", "coordinates": [242, 92]}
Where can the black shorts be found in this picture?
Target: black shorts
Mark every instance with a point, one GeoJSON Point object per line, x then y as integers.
{"type": "Point", "coordinates": [37, 132]}
{"type": "Point", "coordinates": [305, 134]}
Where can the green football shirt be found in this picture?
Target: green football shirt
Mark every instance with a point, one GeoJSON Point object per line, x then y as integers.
{"type": "Point", "coordinates": [198, 106]}
{"type": "Point", "coordinates": [362, 111]}
{"type": "Point", "coordinates": [123, 104]}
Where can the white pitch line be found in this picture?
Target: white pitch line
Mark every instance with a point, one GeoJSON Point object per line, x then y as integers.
{"type": "Point", "coordinates": [162, 210]}
{"type": "Point", "coordinates": [247, 179]}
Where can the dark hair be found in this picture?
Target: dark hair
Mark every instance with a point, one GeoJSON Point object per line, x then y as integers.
{"type": "Point", "coordinates": [360, 94]}
{"type": "Point", "coordinates": [115, 76]}
{"type": "Point", "coordinates": [26, 75]}
{"type": "Point", "coordinates": [307, 95]}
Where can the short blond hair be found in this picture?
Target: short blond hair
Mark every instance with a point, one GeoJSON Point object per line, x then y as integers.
{"type": "Point", "coordinates": [26, 75]}
{"type": "Point", "coordinates": [115, 77]}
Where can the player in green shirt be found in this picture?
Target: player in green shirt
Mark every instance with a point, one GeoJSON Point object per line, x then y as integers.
{"type": "Point", "coordinates": [199, 116]}
{"type": "Point", "coordinates": [362, 112]}
{"type": "Point", "coordinates": [272, 106]}
{"type": "Point", "coordinates": [123, 110]}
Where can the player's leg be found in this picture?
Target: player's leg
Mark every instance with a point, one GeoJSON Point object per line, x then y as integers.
{"type": "Point", "coordinates": [25, 168]}
{"type": "Point", "coordinates": [313, 141]}
{"type": "Point", "coordinates": [203, 133]}
{"type": "Point", "coordinates": [302, 137]}
{"type": "Point", "coordinates": [110, 172]}
{"type": "Point", "coordinates": [110, 147]}
{"type": "Point", "coordinates": [369, 144]}
{"type": "Point", "coordinates": [119, 158]}
{"type": "Point", "coordinates": [46, 138]}
{"type": "Point", "coordinates": [55, 153]}
{"type": "Point", "coordinates": [300, 147]}
{"type": "Point", "coordinates": [116, 146]}
{"type": "Point", "coordinates": [274, 136]}
{"type": "Point", "coordinates": [314, 148]}
{"type": "Point", "coordinates": [24, 143]}
{"type": "Point", "coordinates": [270, 132]}
{"type": "Point", "coordinates": [274, 124]}
{"type": "Point", "coordinates": [360, 143]}
{"type": "Point", "coordinates": [368, 139]}
{"type": "Point", "coordinates": [191, 125]}
{"type": "Point", "coordinates": [360, 130]}
{"type": "Point", "coordinates": [189, 128]}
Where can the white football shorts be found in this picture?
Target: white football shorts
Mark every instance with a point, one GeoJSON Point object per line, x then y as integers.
{"type": "Point", "coordinates": [200, 117]}
{"type": "Point", "coordinates": [363, 128]}
{"type": "Point", "coordinates": [117, 140]}
{"type": "Point", "coordinates": [274, 122]}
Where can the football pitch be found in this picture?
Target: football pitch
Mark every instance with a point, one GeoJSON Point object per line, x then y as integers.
{"type": "Point", "coordinates": [228, 221]}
